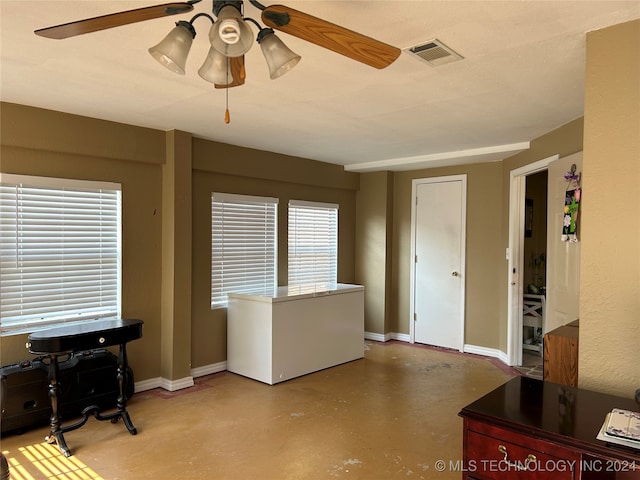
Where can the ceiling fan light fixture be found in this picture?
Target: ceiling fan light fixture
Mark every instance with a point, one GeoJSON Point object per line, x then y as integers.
{"type": "Point", "coordinates": [215, 68]}
{"type": "Point", "coordinates": [173, 50]}
{"type": "Point", "coordinates": [230, 35]}
{"type": "Point", "coordinates": [280, 59]}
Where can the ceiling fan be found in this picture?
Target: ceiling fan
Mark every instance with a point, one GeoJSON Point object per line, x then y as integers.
{"type": "Point", "coordinates": [231, 38]}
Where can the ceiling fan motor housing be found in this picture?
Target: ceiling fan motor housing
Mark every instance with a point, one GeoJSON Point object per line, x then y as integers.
{"type": "Point", "coordinates": [218, 4]}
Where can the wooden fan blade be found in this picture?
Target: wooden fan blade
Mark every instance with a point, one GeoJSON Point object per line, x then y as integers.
{"type": "Point", "coordinates": [238, 73]}
{"type": "Point", "coordinates": [328, 35]}
{"type": "Point", "coordinates": [104, 22]}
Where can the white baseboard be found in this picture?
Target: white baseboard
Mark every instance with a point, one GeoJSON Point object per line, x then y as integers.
{"type": "Point", "coordinates": [376, 337]}
{"type": "Point", "coordinates": [208, 369]}
{"type": "Point", "coordinates": [487, 352]}
{"type": "Point", "coordinates": [148, 384]}
{"type": "Point", "coordinates": [186, 382]}
{"type": "Point", "coordinates": [173, 385]}
{"type": "Point", "coordinates": [159, 382]}
{"type": "Point", "coordinates": [401, 337]}
{"type": "Point", "coordinates": [385, 337]}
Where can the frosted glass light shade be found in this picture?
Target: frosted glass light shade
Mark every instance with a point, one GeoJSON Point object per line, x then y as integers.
{"type": "Point", "coordinates": [280, 59]}
{"type": "Point", "coordinates": [230, 35]}
{"type": "Point", "coordinates": [215, 68]}
{"type": "Point", "coordinates": [173, 50]}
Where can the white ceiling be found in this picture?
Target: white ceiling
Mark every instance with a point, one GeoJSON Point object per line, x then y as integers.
{"type": "Point", "coordinates": [522, 75]}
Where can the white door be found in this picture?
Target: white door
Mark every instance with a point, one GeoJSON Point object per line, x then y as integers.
{"type": "Point", "coordinates": [438, 225]}
{"type": "Point", "coordinates": [563, 258]}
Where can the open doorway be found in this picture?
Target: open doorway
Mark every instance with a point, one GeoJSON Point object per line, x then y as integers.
{"type": "Point", "coordinates": [534, 272]}
{"type": "Point", "coordinates": [519, 225]}
{"type": "Point", "coordinates": [559, 287]}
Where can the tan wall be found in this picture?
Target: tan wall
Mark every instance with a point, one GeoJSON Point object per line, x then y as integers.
{"type": "Point", "coordinates": [484, 253]}
{"type": "Point", "coordinates": [563, 141]}
{"type": "Point", "coordinates": [45, 143]}
{"type": "Point", "coordinates": [177, 258]}
{"type": "Point", "coordinates": [40, 142]}
{"type": "Point", "coordinates": [150, 166]}
{"type": "Point", "coordinates": [487, 240]}
{"type": "Point", "coordinates": [610, 261]}
{"type": "Point", "coordinates": [373, 262]}
{"type": "Point", "coordinates": [225, 168]}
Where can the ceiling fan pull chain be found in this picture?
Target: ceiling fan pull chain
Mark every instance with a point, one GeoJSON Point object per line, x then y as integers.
{"type": "Point", "coordinates": [227, 117]}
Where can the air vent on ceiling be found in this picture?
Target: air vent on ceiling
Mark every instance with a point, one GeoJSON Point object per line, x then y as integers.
{"type": "Point", "coordinates": [434, 53]}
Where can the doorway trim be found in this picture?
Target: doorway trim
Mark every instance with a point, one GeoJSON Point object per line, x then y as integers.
{"type": "Point", "coordinates": [463, 248]}
{"type": "Point", "coordinates": [515, 255]}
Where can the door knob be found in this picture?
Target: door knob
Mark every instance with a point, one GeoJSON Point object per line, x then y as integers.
{"type": "Point", "coordinates": [455, 274]}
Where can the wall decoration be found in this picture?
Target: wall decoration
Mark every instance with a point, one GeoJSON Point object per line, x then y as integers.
{"type": "Point", "coordinates": [571, 206]}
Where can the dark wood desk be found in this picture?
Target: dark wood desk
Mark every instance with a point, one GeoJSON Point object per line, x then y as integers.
{"type": "Point", "coordinates": [529, 429]}
{"type": "Point", "coordinates": [56, 342]}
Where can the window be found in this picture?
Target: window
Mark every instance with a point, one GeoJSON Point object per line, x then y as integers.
{"type": "Point", "coordinates": [313, 243]}
{"type": "Point", "coordinates": [60, 247]}
{"type": "Point", "coordinates": [243, 245]}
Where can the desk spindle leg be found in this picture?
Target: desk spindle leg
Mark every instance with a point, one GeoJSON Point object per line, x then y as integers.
{"type": "Point", "coordinates": [56, 435]}
{"type": "Point", "coordinates": [122, 400]}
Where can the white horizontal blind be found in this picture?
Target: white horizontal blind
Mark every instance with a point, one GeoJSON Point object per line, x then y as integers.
{"type": "Point", "coordinates": [313, 243]}
{"type": "Point", "coordinates": [243, 245]}
{"type": "Point", "coordinates": [60, 250]}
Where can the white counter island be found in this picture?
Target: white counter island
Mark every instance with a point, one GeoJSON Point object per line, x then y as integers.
{"type": "Point", "coordinates": [293, 331]}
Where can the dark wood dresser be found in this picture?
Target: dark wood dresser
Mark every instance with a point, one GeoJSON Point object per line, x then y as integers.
{"type": "Point", "coordinates": [533, 430]}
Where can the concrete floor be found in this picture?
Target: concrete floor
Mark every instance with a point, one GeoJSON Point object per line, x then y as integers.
{"type": "Point", "coordinates": [532, 365]}
{"type": "Point", "coordinates": [390, 415]}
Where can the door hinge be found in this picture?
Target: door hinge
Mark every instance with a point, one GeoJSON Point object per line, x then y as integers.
{"type": "Point", "coordinates": [415, 317]}
{"type": "Point", "coordinates": [416, 259]}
